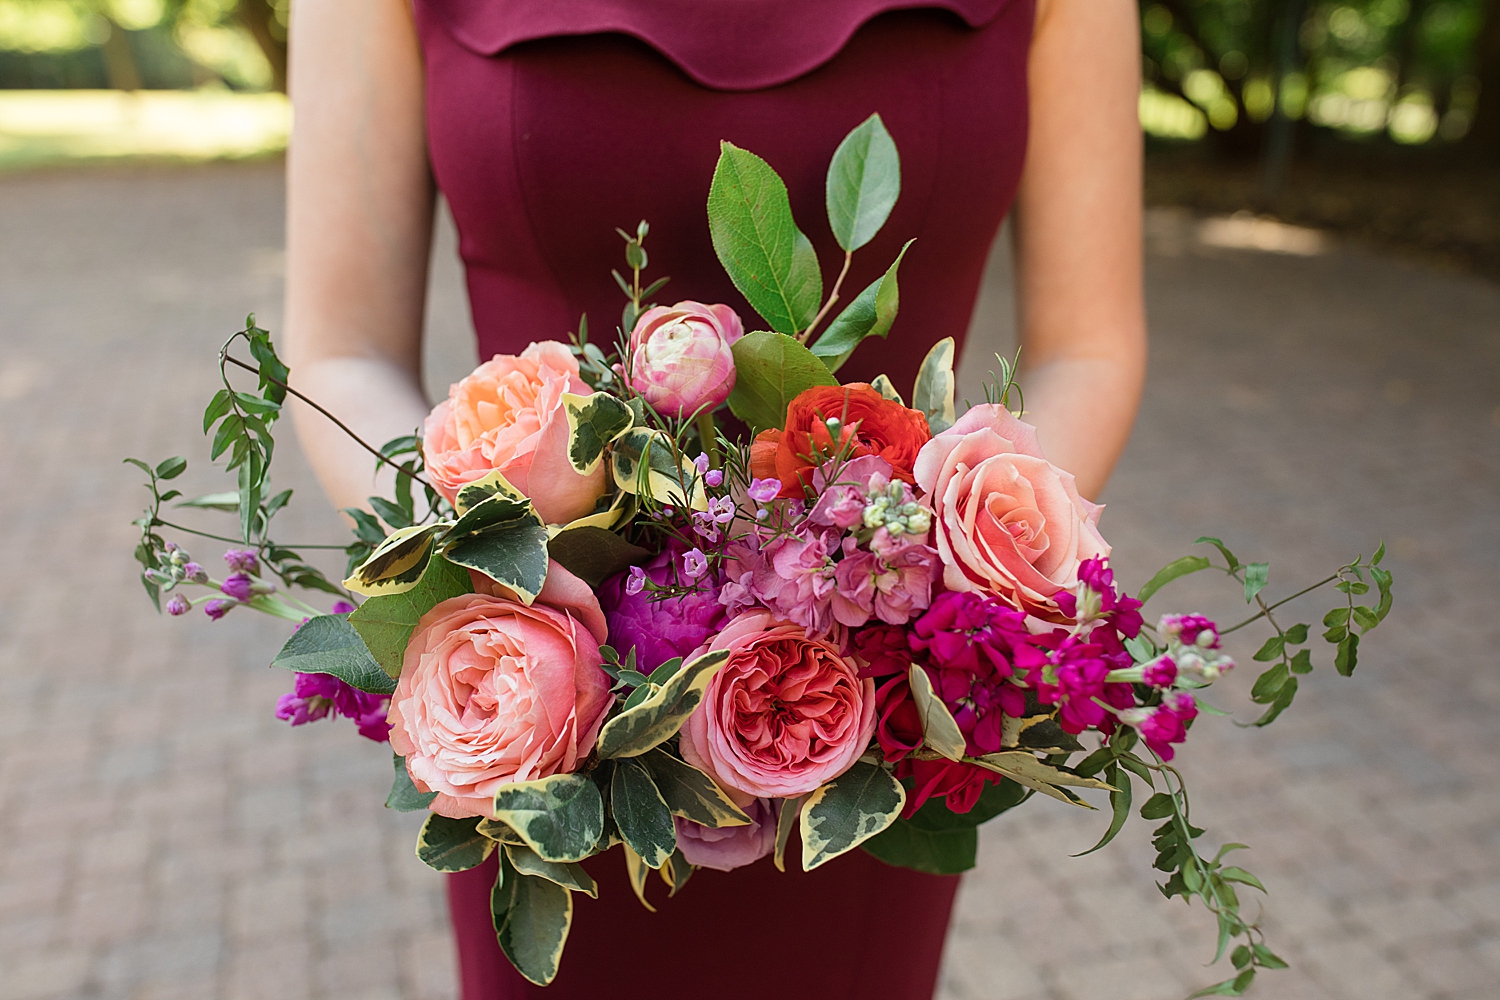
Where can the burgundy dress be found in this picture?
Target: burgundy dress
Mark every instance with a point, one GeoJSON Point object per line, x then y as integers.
{"type": "Point", "coordinates": [551, 122]}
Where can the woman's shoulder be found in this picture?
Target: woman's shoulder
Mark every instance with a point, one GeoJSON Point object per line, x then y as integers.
{"type": "Point", "coordinates": [724, 44]}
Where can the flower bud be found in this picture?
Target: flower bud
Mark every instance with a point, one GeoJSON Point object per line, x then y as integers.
{"type": "Point", "coordinates": [179, 605]}
{"type": "Point", "coordinates": [680, 357]}
{"type": "Point", "coordinates": [237, 586]}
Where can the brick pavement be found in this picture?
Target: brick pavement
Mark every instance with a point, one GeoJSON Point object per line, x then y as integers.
{"type": "Point", "coordinates": [163, 836]}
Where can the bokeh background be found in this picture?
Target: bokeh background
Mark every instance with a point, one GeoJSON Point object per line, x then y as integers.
{"type": "Point", "coordinates": [1323, 277]}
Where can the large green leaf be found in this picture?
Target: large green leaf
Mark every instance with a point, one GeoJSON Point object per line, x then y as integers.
{"type": "Point", "coordinates": [768, 258]}
{"type": "Point", "coordinates": [870, 315]}
{"type": "Point", "coordinates": [452, 845]}
{"type": "Point", "coordinates": [593, 554]}
{"type": "Point", "coordinates": [864, 180]}
{"type": "Point", "coordinates": [513, 554]}
{"type": "Point", "coordinates": [593, 422]}
{"type": "Point", "coordinates": [397, 563]}
{"type": "Point", "coordinates": [656, 719]}
{"type": "Point", "coordinates": [569, 876]}
{"type": "Point", "coordinates": [404, 796]}
{"type": "Point", "coordinates": [1170, 572]}
{"type": "Point", "coordinates": [532, 917]}
{"type": "Point", "coordinates": [386, 623]}
{"type": "Point", "coordinates": [328, 644]}
{"type": "Point", "coordinates": [690, 793]}
{"type": "Point", "coordinates": [641, 813]}
{"type": "Point", "coordinates": [771, 370]}
{"type": "Point", "coordinates": [933, 393]}
{"type": "Point", "coordinates": [938, 852]}
{"type": "Point", "coordinates": [940, 731]}
{"type": "Point", "coordinates": [559, 817]}
{"type": "Point", "coordinates": [845, 812]}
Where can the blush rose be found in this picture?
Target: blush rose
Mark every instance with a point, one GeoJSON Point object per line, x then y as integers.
{"type": "Point", "coordinates": [730, 847]}
{"type": "Point", "coordinates": [680, 357]}
{"type": "Point", "coordinates": [1006, 521]}
{"type": "Point", "coordinates": [508, 415]}
{"type": "Point", "coordinates": [783, 715]}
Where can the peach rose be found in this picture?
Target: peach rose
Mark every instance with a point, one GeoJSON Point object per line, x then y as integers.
{"type": "Point", "coordinates": [1005, 520]}
{"type": "Point", "coordinates": [492, 692]}
{"type": "Point", "coordinates": [785, 713]}
{"type": "Point", "coordinates": [508, 415]}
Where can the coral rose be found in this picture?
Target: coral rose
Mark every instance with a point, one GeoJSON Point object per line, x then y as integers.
{"type": "Point", "coordinates": [508, 415]}
{"type": "Point", "coordinates": [1005, 520]}
{"type": "Point", "coordinates": [783, 715]}
{"type": "Point", "coordinates": [492, 692]}
{"type": "Point", "coordinates": [680, 358]}
{"type": "Point", "coordinates": [868, 424]}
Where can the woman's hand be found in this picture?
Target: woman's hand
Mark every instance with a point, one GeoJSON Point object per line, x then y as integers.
{"type": "Point", "coordinates": [359, 230]}
{"type": "Point", "coordinates": [1078, 236]}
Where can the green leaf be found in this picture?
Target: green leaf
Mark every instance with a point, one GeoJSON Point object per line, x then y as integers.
{"type": "Point", "coordinates": [386, 623]}
{"type": "Point", "coordinates": [513, 555]}
{"type": "Point", "coordinates": [1039, 775]}
{"type": "Point", "coordinates": [404, 796]}
{"type": "Point", "coordinates": [939, 730]}
{"type": "Point", "coordinates": [1229, 987]}
{"type": "Point", "coordinates": [1171, 571]}
{"type": "Point", "coordinates": [1270, 649]}
{"type": "Point", "coordinates": [641, 813]}
{"type": "Point", "coordinates": [864, 181]}
{"type": "Point", "coordinates": [1233, 874]}
{"type": "Point", "coordinates": [1229, 557]}
{"type": "Point", "coordinates": [390, 513]}
{"type": "Point", "coordinates": [870, 315]}
{"type": "Point", "coordinates": [217, 407]}
{"type": "Point", "coordinates": [569, 876]}
{"type": "Point", "coordinates": [397, 564]}
{"type": "Point", "coordinates": [1302, 662]}
{"type": "Point", "coordinates": [229, 501]}
{"type": "Point", "coordinates": [1296, 635]}
{"type": "Point", "coordinates": [1281, 704]}
{"type": "Point", "coordinates": [1268, 685]}
{"type": "Point", "coordinates": [1365, 617]}
{"type": "Point", "coordinates": [593, 422]}
{"type": "Point", "coordinates": [366, 528]}
{"type": "Point", "coordinates": [771, 370]}
{"type": "Point", "coordinates": [532, 918]}
{"type": "Point", "coordinates": [938, 852]}
{"type": "Point", "coordinates": [844, 813]}
{"type": "Point", "coordinates": [594, 554]}
{"type": "Point", "coordinates": [1119, 801]}
{"type": "Point", "coordinates": [1337, 617]}
{"type": "Point", "coordinates": [328, 644]}
{"type": "Point", "coordinates": [1158, 806]}
{"type": "Point", "coordinates": [171, 468]}
{"type": "Point", "coordinates": [767, 257]}
{"type": "Point", "coordinates": [1347, 656]}
{"type": "Point", "coordinates": [690, 793]}
{"type": "Point", "coordinates": [560, 817]}
{"type": "Point", "coordinates": [1256, 577]}
{"type": "Point", "coordinates": [452, 845]}
{"type": "Point", "coordinates": [498, 510]}
{"type": "Point", "coordinates": [657, 719]}
{"type": "Point", "coordinates": [1267, 959]}
{"type": "Point", "coordinates": [933, 393]}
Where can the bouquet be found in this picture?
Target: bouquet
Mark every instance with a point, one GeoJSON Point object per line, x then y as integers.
{"type": "Point", "coordinates": [688, 594]}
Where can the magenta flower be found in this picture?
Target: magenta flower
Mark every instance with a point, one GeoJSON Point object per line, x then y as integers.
{"type": "Point", "coordinates": [680, 357]}
{"type": "Point", "coordinates": [1165, 724]}
{"type": "Point", "coordinates": [342, 608]}
{"type": "Point", "coordinates": [218, 608]}
{"type": "Point", "coordinates": [237, 586]}
{"type": "Point", "coordinates": [314, 696]}
{"type": "Point", "coordinates": [694, 564]}
{"type": "Point", "coordinates": [242, 561]}
{"type": "Point", "coordinates": [1161, 672]}
{"type": "Point", "coordinates": [192, 571]}
{"type": "Point", "coordinates": [659, 628]}
{"type": "Point", "coordinates": [1191, 630]}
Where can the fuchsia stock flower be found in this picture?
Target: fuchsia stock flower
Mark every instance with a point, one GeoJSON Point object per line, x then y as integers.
{"type": "Point", "coordinates": [680, 357]}
{"type": "Point", "coordinates": [659, 628]}
{"type": "Point", "coordinates": [1164, 724]}
{"type": "Point", "coordinates": [316, 695]}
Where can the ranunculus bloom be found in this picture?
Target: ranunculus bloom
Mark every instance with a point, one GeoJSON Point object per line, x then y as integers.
{"type": "Point", "coordinates": [680, 359]}
{"type": "Point", "coordinates": [659, 628]}
{"type": "Point", "coordinates": [1005, 520]}
{"type": "Point", "coordinates": [785, 713]}
{"type": "Point", "coordinates": [730, 847]}
{"type": "Point", "coordinates": [508, 415]}
{"type": "Point", "coordinates": [869, 424]}
{"type": "Point", "coordinates": [492, 692]}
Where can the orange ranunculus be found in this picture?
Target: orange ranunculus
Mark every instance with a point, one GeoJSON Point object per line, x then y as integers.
{"type": "Point", "coordinates": [872, 424]}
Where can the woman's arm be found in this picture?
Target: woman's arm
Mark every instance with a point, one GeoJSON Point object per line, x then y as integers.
{"type": "Point", "coordinates": [1078, 236]}
{"type": "Point", "coordinates": [359, 231]}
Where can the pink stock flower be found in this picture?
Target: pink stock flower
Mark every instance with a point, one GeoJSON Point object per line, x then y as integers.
{"type": "Point", "coordinates": [730, 847]}
{"type": "Point", "coordinates": [1165, 724]}
{"type": "Point", "coordinates": [792, 575]}
{"type": "Point", "coordinates": [785, 713]}
{"type": "Point", "coordinates": [508, 416]}
{"type": "Point", "coordinates": [892, 585]}
{"type": "Point", "coordinates": [680, 357]}
{"type": "Point", "coordinates": [1191, 630]}
{"type": "Point", "coordinates": [1006, 521]}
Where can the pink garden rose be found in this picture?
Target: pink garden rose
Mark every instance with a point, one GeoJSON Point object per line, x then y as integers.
{"type": "Point", "coordinates": [680, 358]}
{"type": "Point", "coordinates": [730, 847]}
{"type": "Point", "coordinates": [492, 692]}
{"type": "Point", "coordinates": [508, 415]}
{"type": "Point", "coordinates": [1005, 520]}
{"type": "Point", "coordinates": [785, 713]}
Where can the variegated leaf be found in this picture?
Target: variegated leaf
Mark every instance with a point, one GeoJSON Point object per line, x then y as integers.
{"type": "Point", "coordinates": [491, 513]}
{"type": "Point", "coordinates": [655, 720]}
{"type": "Point", "coordinates": [532, 917]}
{"type": "Point", "coordinates": [499, 833]}
{"type": "Point", "coordinates": [594, 554]}
{"type": "Point", "coordinates": [641, 813]}
{"type": "Point", "coordinates": [452, 845]}
{"type": "Point", "coordinates": [593, 423]}
{"type": "Point", "coordinates": [676, 872]}
{"type": "Point", "coordinates": [690, 793]}
{"type": "Point", "coordinates": [939, 729]}
{"type": "Point", "coordinates": [637, 872]}
{"type": "Point", "coordinates": [560, 817]}
{"type": "Point", "coordinates": [934, 391]}
{"type": "Point", "coordinates": [514, 555]}
{"type": "Point", "coordinates": [569, 876]}
{"type": "Point", "coordinates": [397, 564]}
{"type": "Point", "coordinates": [854, 807]}
{"type": "Point", "coordinates": [642, 463]}
{"type": "Point", "coordinates": [1039, 734]}
{"type": "Point", "coordinates": [1026, 769]}
{"type": "Point", "coordinates": [786, 819]}
{"type": "Point", "coordinates": [471, 495]}
{"type": "Point", "coordinates": [887, 388]}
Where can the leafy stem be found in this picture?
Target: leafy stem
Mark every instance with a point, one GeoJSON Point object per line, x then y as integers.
{"type": "Point", "coordinates": [1265, 611]}
{"type": "Point", "coordinates": [833, 297]}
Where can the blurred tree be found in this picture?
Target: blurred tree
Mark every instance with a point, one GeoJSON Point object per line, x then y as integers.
{"type": "Point", "coordinates": [266, 22]}
{"type": "Point", "coordinates": [1484, 134]}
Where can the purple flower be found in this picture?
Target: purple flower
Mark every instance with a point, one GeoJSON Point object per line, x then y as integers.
{"type": "Point", "coordinates": [179, 605]}
{"type": "Point", "coordinates": [714, 478]}
{"type": "Point", "coordinates": [192, 571]}
{"type": "Point", "coordinates": [701, 463]}
{"type": "Point", "coordinates": [730, 847]}
{"type": "Point", "coordinates": [763, 490]}
{"type": "Point", "coordinates": [694, 563]}
{"type": "Point", "coordinates": [974, 647]}
{"type": "Point", "coordinates": [659, 628]}
{"type": "Point", "coordinates": [237, 586]}
{"type": "Point", "coordinates": [218, 608]}
{"type": "Point", "coordinates": [242, 560]}
{"type": "Point", "coordinates": [342, 608]}
{"type": "Point", "coordinates": [315, 695]}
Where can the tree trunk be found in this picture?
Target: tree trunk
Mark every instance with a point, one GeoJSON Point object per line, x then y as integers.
{"type": "Point", "coordinates": [1483, 140]}
{"type": "Point", "coordinates": [257, 17]}
{"type": "Point", "coordinates": [119, 60]}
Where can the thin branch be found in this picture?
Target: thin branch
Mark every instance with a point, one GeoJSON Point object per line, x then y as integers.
{"type": "Point", "coordinates": [337, 422]}
{"type": "Point", "coordinates": [833, 297]}
{"type": "Point", "coordinates": [158, 522]}
{"type": "Point", "coordinates": [1267, 610]}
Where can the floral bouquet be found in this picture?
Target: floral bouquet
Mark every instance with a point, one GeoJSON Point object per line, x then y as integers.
{"type": "Point", "coordinates": [614, 615]}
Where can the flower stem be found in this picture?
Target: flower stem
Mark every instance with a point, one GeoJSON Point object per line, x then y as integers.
{"type": "Point", "coordinates": [1266, 613]}
{"type": "Point", "coordinates": [833, 297]}
{"type": "Point", "coordinates": [708, 438]}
